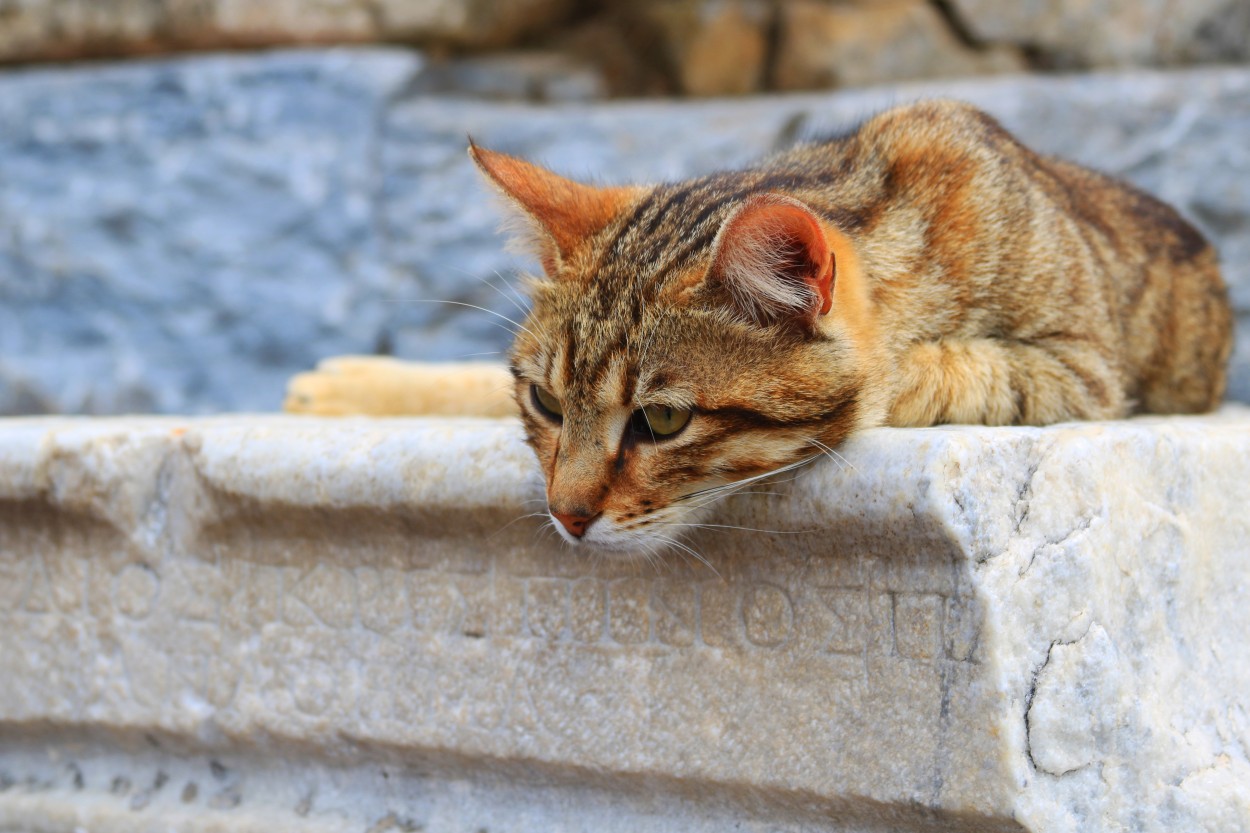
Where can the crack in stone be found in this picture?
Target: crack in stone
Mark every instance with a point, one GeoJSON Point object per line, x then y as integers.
{"type": "Point", "coordinates": [959, 501]}
{"type": "Point", "coordinates": [1082, 526]}
{"type": "Point", "coordinates": [1028, 708]}
{"type": "Point", "coordinates": [1028, 704]}
{"type": "Point", "coordinates": [1024, 495]}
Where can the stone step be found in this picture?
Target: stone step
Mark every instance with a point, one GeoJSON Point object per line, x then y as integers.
{"type": "Point", "coordinates": [259, 623]}
{"type": "Point", "coordinates": [183, 236]}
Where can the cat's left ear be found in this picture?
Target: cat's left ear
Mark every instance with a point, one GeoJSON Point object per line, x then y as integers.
{"type": "Point", "coordinates": [563, 212]}
{"type": "Point", "coordinates": [773, 256]}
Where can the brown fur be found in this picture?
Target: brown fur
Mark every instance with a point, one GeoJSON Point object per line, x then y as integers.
{"type": "Point", "coordinates": [973, 281]}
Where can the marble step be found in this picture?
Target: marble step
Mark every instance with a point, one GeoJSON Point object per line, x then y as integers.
{"type": "Point", "coordinates": [261, 623]}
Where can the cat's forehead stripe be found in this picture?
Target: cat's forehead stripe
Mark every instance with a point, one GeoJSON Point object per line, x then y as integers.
{"type": "Point", "coordinates": [652, 220]}
{"type": "Point", "coordinates": [664, 216]}
{"type": "Point", "coordinates": [612, 382]}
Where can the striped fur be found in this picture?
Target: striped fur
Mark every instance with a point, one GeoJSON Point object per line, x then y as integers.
{"type": "Point", "coordinates": [975, 281]}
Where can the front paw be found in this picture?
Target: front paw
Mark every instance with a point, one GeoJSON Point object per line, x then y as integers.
{"type": "Point", "coordinates": [340, 386]}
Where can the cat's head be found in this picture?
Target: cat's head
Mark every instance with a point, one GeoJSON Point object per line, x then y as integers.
{"type": "Point", "coordinates": [683, 338]}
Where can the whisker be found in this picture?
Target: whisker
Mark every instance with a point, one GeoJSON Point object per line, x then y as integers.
{"type": "Point", "coordinates": [545, 529]}
{"type": "Point", "coordinates": [514, 299]}
{"type": "Point", "coordinates": [833, 455]}
{"type": "Point", "coordinates": [681, 547]}
{"type": "Point", "coordinates": [509, 298]}
{"type": "Point", "coordinates": [650, 549]}
{"type": "Point", "coordinates": [742, 528]}
{"type": "Point", "coordinates": [513, 322]}
{"type": "Point", "coordinates": [514, 520]}
{"type": "Point", "coordinates": [805, 461]}
{"type": "Point", "coordinates": [522, 301]}
{"type": "Point", "coordinates": [656, 560]}
{"type": "Point", "coordinates": [843, 463]}
{"type": "Point", "coordinates": [738, 493]}
{"type": "Point", "coordinates": [595, 560]}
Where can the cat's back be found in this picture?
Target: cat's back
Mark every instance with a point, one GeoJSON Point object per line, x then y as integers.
{"type": "Point", "coordinates": [967, 233]}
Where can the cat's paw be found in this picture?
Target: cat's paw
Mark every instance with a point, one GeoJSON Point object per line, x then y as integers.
{"type": "Point", "coordinates": [340, 386]}
{"type": "Point", "coordinates": [382, 386]}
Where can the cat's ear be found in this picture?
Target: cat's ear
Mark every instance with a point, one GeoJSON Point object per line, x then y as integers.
{"type": "Point", "coordinates": [563, 213]}
{"type": "Point", "coordinates": [774, 258]}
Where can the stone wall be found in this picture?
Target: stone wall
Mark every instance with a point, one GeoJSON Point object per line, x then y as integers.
{"type": "Point", "coordinates": [182, 236]}
{"type": "Point", "coordinates": [642, 47]}
{"type": "Point", "coordinates": [261, 624]}
{"type": "Point", "coordinates": [32, 30]}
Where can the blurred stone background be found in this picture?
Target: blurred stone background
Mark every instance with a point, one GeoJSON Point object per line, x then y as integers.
{"type": "Point", "coordinates": [199, 198]}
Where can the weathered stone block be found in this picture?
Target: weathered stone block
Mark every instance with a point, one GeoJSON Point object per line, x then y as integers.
{"type": "Point", "coordinates": [298, 624]}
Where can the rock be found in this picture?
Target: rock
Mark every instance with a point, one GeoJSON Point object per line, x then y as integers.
{"type": "Point", "coordinates": [60, 29]}
{"type": "Point", "coordinates": [1075, 33]}
{"type": "Point", "coordinates": [717, 47]}
{"type": "Point", "coordinates": [631, 58]}
{"type": "Point", "coordinates": [183, 236]}
{"type": "Point", "coordinates": [246, 22]}
{"type": "Point", "coordinates": [515, 76]}
{"type": "Point", "coordinates": [822, 45]}
{"type": "Point", "coordinates": [277, 623]}
{"type": "Point", "coordinates": [467, 22]}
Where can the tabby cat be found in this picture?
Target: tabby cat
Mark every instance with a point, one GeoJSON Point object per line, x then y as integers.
{"type": "Point", "coordinates": [926, 268]}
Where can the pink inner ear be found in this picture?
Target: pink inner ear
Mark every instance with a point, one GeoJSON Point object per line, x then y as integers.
{"type": "Point", "coordinates": [774, 257]}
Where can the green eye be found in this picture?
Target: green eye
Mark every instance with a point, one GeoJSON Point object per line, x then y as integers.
{"type": "Point", "coordinates": [659, 420]}
{"type": "Point", "coordinates": [547, 403]}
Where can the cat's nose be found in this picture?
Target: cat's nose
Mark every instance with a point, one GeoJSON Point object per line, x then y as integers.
{"type": "Point", "coordinates": [575, 524]}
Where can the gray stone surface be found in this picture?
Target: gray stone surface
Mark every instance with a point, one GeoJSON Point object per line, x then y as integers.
{"type": "Point", "coordinates": [179, 236]}
{"type": "Point", "coordinates": [182, 236]}
{"type": "Point", "coordinates": [1078, 33]}
{"type": "Point", "coordinates": [281, 623]}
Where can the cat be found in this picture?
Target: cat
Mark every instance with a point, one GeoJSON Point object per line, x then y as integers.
{"type": "Point", "coordinates": [924, 268]}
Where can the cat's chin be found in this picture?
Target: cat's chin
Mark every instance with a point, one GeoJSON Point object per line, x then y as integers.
{"type": "Point", "coordinates": [611, 543]}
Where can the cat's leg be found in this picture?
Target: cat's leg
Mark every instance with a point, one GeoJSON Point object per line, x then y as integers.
{"type": "Point", "coordinates": [999, 382]}
{"type": "Point", "coordinates": [381, 386]}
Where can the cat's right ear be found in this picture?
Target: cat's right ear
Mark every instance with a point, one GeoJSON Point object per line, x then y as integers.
{"type": "Point", "coordinates": [562, 213]}
{"type": "Point", "coordinates": [773, 256]}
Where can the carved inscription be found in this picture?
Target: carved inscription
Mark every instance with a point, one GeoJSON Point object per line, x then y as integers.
{"type": "Point", "coordinates": [767, 615]}
{"type": "Point", "coordinates": [756, 614]}
{"type": "Point", "coordinates": [316, 640]}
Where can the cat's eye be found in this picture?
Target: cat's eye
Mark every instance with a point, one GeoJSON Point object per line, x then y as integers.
{"type": "Point", "coordinates": [659, 420]}
{"type": "Point", "coordinates": [547, 403]}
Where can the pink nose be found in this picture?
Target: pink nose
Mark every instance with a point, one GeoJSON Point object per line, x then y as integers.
{"type": "Point", "coordinates": [575, 524]}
